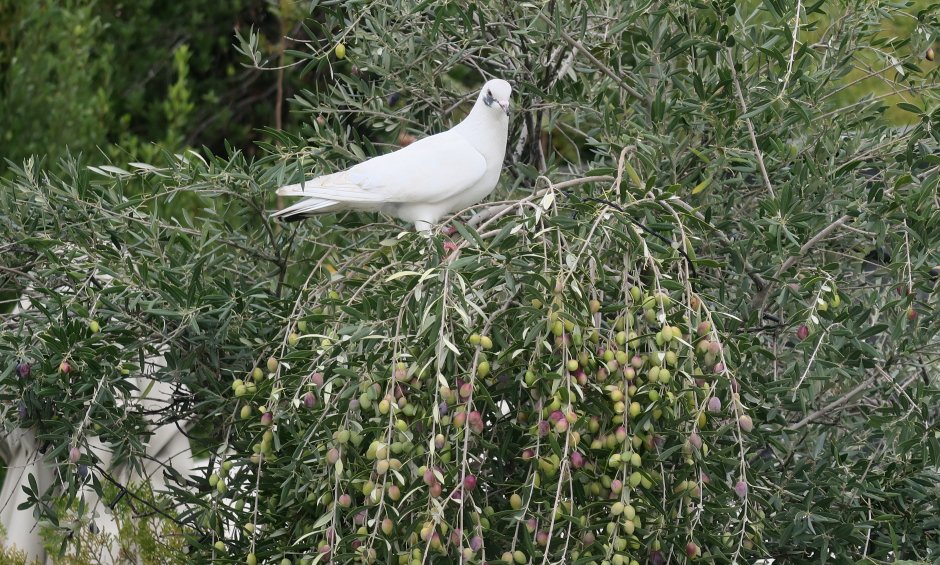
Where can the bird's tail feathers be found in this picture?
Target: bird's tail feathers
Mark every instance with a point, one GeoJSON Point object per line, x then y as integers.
{"type": "Point", "coordinates": [294, 189]}
{"type": "Point", "coordinates": [336, 187]}
{"type": "Point", "coordinates": [304, 208]}
{"type": "Point", "coordinates": [309, 187]}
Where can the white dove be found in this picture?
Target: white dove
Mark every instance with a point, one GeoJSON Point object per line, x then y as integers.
{"type": "Point", "coordinates": [424, 181]}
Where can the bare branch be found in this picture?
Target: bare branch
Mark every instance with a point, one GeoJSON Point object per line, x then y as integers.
{"type": "Point", "coordinates": [750, 126]}
{"type": "Point", "coordinates": [761, 297]}
{"type": "Point", "coordinates": [831, 406]}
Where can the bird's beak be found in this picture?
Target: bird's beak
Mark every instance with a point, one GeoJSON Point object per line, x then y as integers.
{"type": "Point", "coordinates": [504, 104]}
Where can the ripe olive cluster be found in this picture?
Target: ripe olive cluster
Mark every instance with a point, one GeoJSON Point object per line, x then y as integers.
{"type": "Point", "coordinates": [587, 434]}
{"type": "Point", "coordinates": [660, 368]}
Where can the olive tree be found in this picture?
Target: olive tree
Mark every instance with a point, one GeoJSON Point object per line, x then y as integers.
{"type": "Point", "coordinates": [696, 321]}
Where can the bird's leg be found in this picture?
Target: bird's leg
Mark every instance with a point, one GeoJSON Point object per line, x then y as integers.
{"type": "Point", "coordinates": [450, 246]}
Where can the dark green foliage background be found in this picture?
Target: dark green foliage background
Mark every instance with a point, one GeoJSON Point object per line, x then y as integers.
{"type": "Point", "coordinates": [842, 465]}
{"type": "Point", "coordinates": [101, 76]}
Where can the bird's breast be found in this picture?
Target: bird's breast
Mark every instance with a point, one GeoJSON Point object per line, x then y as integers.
{"type": "Point", "coordinates": [480, 190]}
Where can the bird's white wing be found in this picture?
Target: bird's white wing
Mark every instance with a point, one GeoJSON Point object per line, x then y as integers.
{"type": "Point", "coordinates": [428, 170]}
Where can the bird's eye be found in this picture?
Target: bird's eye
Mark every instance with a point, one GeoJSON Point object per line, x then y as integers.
{"type": "Point", "coordinates": [489, 93]}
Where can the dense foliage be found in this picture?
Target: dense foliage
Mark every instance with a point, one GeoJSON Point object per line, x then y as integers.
{"type": "Point", "coordinates": [698, 320]}
{"type": "Point", "coordinates": [129, 78]}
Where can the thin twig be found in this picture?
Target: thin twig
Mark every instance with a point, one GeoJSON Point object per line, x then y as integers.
{"type": "Point", "coordinates": [831, 406]}
{"type": "Point", "coordinates": [761, 297]}
{"type": "Point", "coordinates": [809, 365]}
{"type": "Point", "coordinates": [796, 33]}
{"type": "Point", "coordinates": [810, 244]}
{"type": "Point", "coordinates": [645, 229]}
{"type": "Point", "coordinates": [750, 126]}
{"type": "Point", "coordinates": [147, 503]}
{"type": "Point", "coordinates": [498, 210]}
{"type": "Point", "coordinates": [752, 273]}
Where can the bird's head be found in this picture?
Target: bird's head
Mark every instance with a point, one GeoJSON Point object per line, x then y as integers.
{"type": "Point", "coordinates": [495, 95]}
